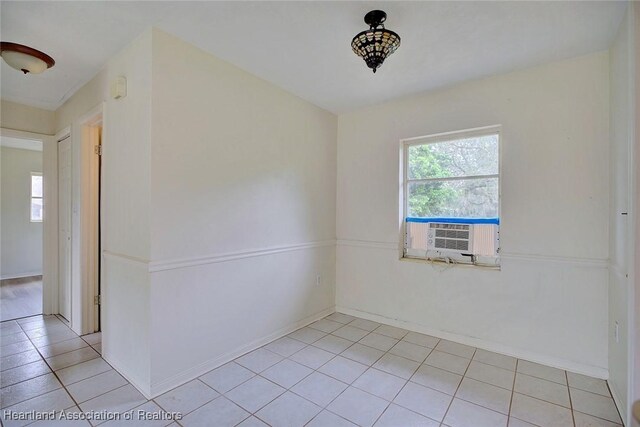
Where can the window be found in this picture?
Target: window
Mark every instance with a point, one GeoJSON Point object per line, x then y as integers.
{"type": "Point", "coordinates": [451, 195]}
{"type": "Point", "coordinates": [36, 197]}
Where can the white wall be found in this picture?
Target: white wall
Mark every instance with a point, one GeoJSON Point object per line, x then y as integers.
{"type": "Point", "coordinates": [548, 303]}
{"type": "Point", "coordinates": [621, 240]}
{"type": "Point", "coordinates": [205, 221]}
{"type": "Point", "coordinates": [125, 204]}
{"type": "Point", "coordinates": [243, 201]}
{"type": "Point", "coordinates": [25, 118]}
{"type": "Point", "coordinates": [21, 247]}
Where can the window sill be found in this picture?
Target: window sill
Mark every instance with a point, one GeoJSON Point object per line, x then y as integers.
{"type": "Point", "coordinates": [442, 263]}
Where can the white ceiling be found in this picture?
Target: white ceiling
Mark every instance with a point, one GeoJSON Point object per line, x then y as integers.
{"type": "Point", "coordinates": [304, 47]}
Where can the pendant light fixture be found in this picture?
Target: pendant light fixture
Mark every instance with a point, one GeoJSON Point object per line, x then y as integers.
{"type": "Point", "coordinates": [376, 43]}
{"type": "Point", "coordinates": [25, 58]}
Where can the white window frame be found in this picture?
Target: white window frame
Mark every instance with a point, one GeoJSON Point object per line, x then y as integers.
{"type": "Point", "coordinates": [31, 196]}
{"type": "Point", "coordinates": [439, 138]}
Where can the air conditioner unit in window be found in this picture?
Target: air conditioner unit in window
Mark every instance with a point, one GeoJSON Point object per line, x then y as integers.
{"type": "Point", "coordinates": [450, 238]}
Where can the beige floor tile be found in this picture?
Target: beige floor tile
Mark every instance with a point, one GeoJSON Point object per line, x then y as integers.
{"type": "Point", "coordinates": [456, 349]}
{"type": "Point", "coordinates": [340, 318]}
{"type": "Point", "coordinates": [259, 360]}
{"type": "Point", "coordinates": [227, 377]}
{"type": "Point", "coordinates": [495, 359]}
{"type": "Point", "coordinates": [594, 404]}
{"type": "Point", "coordinates": [343, 369]}
{"type": "Point", "coordinates": [307, 335]}
{"type": "Point", "coordinates": [288, 410]}
{"type": "Point", "coordinates": [285, 346]}
{"type": "Point", "coordinates": [397, 416]}
{"type": "Point", "coordinates": [377, 341]}
{"type": "Point", "coordinates": [464, 414]}
{"type": "Point", "coordinates": [367, 325]}
{"type": "Point", "coordinates": [483, 394]}
{"type": "Point", "coordinates": [350, 333]}
{"type": "Point", "coordinates": [540, 413]}
{"type": "Point", "coordinates": [544, 372]}
{"type": "Point", "coordinates": [584, 420]}
{"type": "Point", "coordinates": [396, 365]}
{"type": "Point", "coordinates": [448, 362]}
{"type": "Point", "coordinates": [410, 351]}
{"type": "Point", "coordinates": [358, 407]}
{"type": "Point", "coordinates": [329, 419]}
{"type": "Point", "coordinates": [425, 401]}
{"type": "Point", "coordinates": [286, 373]}
{"type": "Point", "coordinates": [391, 331]}
{"type": "Point", "coordinates": [491, 374]}
{"type": "Point", "coordinates": [380, 384]}
{"type": "Point", "coordinates": [319, 388]}
{"type": "Point", "coordinates": [583, 382]}
{"type": "Point", "coordinates": [255, 393]}
{"type": "Point", "coordinates": [325, 325]}
{"type": "Point", "coordinates": [421, 339]}
{"type": "Point", "coordinates": [437, 379]}
{"type": "Point", "coordinates": [312, 357]}
{"type": "Point", "coordinates": [363, 354]}
{"type": "Point", "coordinates": [95, 386]}
{"type": "Point", "coordinates": [220, 412]}
{"type": "Point", "coordinates": [186, 397]}
{"type": "Point", "coordinates": [333, 344]}
{"type": "Point", "coordinates": [28, 389]}
{"type": "Point", "coordinates": [543, 390]}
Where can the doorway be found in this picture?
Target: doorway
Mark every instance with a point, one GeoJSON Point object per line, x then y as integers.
{"type": "Point", "coordinates": [95, 139]}
{"type": "Point", "coordinates": [22, 208]}
{"type": "Point", "coordinates": [90, 229]}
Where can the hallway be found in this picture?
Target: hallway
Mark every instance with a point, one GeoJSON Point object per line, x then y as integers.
{"type": "Point", "coordinates": [21, 297]}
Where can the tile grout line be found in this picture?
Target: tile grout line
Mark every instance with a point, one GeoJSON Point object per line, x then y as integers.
{"type": "Point", "coordinates": [513, 390]}
{"type": "Point", "coordinates": [458, 388]}
{"type": "Point", "coordinates": [573, 417]}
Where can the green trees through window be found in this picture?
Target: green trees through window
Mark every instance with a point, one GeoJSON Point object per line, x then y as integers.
{"type": "Point", "coordinates": [456, 178]}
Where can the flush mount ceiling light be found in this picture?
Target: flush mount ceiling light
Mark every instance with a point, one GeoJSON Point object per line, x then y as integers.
{"type": "Point", "coordinates": [25, 58]}
{"type": "Point", "coordinates": [376, 43]}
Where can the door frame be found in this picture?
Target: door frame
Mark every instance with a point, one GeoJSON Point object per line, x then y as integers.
{"type": "Point", "coordinates": [54, 294]}
{"type": "Point", "coordinates": [50, 218]}
{"type": "Point", "coordinates": [88, 256]}
{"type": "Point", "coordinates": [64, 135]}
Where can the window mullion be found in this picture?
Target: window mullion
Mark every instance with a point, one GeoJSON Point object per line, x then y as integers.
{"type": "Point", "coordinates": [453, 178]}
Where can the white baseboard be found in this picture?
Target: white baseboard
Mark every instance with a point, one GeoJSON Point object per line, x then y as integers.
{"type": "Point", "coordinates": [174, 381]}
{"type": "Point", "coordinates": [141, 386]}
{"type": "Point", "coordinates": [21, 275]}
{"type": "Point", "coordinates": [579, 368]}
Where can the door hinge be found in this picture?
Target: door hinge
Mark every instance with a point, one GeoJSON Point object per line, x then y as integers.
{"type": "Point", "coordinates": [97, 149]}
{"type": "Point", "coordinates": [97, 300]}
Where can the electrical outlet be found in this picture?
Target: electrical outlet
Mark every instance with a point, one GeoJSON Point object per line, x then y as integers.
{"type": "Point", "coordinates": [318, 280]}
{"type": "Point", "coordinates": [617, 332]}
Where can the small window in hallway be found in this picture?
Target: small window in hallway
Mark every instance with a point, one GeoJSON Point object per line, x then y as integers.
{"type": "Point", "coordinates": [36, 197]}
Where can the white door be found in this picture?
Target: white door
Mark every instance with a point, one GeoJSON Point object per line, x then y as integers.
{"type": "Point", "coordinates": [64, 228]}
